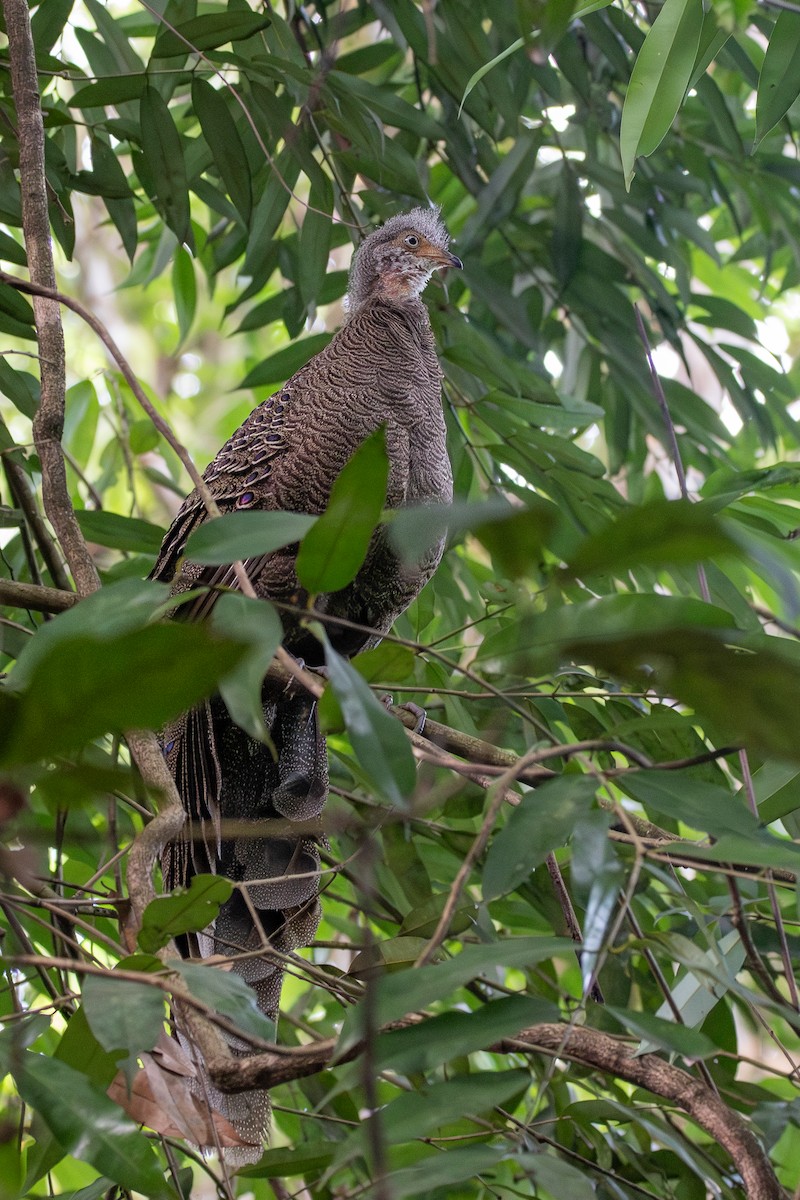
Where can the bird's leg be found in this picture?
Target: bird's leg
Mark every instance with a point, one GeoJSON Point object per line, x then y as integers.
{"type": "Point", "coordinates": [411, 707]}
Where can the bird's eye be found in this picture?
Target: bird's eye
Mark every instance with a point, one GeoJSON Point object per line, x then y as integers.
{"type": "Point", "coordinates": [412, 240]}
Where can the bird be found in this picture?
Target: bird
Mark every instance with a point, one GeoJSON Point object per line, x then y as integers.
{"type": "Point", "coordinates": [379, 370]}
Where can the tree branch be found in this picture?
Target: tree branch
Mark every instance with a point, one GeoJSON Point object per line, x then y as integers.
{"type": "Point", "coordinates": [48, 423]}
{"type": "Point", "coordinates": [39, 599]}
{"type": "Point", "coordinates": [581, 1045]}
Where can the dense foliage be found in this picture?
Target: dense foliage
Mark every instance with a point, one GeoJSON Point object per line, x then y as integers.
{"type": "Point", "coordinates": [618, 605]}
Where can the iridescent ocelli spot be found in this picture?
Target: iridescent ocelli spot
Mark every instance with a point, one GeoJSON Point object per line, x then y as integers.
{"type": "Point", "coordinates": [245, 500]}
{"type": "Point", "coordinates": [170, 746]}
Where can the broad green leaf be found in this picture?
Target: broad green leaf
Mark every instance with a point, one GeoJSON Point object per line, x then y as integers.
{"type": "Point", "coordinates": [433, 1106]}
{"type": "Point", "coordinates": [422, 1047]}
{"type": "Point", "coordinates": [557, 1177]}
{"type": "Point", "coordinates": [779, 81]}
{"type": "Point", "coordinates": [184, 289]}
{"type": "Point", "coordinates": [114, 90]}
{"type": "Point", "coordinates": [110, 611]}
{"type": "Point", "coordinates": [515, 541]}
{"type": "Point", "coordinates": [763, 851]}
{"type": "Point", "coordinates": [166, 169]}
{"type": "Point", "coordinates": [307, 1156]}
{"type": "Point", "coordinates": [120, 533]}
{"type": "Point", "coordinates": [225, 144]}
{"type": "Point", "coordinates": [315, 239]}
{"type": "Point", "coordinates": [597, 875]}
{"type": "Point", "coordinates": [21, 388]}
{"type": "Point", "coordinates": [541, 823]}
{"type": "Point", "coordinates": [47, 23]}
{"type": "Point", "coordinates": [396, 995]}
{"type": "Point", "coordinates": [413, 530]}
{"type": "Point", "coordinates": [385, 104]}
{"type": "Point", "coordinates": [441, 1171]}
{"type": "Point", "coordinates": [90, 685]}
{"type": "Point", "coordinates": [334, 550]}
{"type": "Point", "coordinates": [567, 226]}
{"type": "Point", "coordinates": [659, 80]}
{"type": "Point", "coordinates": [665, 1034]}
{"type": "Point", "coordinates": [693, 801]}
{"type": "Point", "coordinates": [660, 533]}
{"type": "Point", "coordinates": [242, 535]}
{"type": "Point", "coordinates": [184, 910]}
{"type": "Point", "coordinates": [703, 982]}
{"type": "Point", "coordinates": [88, 1125]}
{"type": "Point", "coordinates": [379, 741]}
{"type": "Point", "coordinates": [123, 1015]}
{"type": "Point", "coordinates": [258, 623]}
{"type": "Point", "coordinates": [209, 31]}
{"type": "Point", "coordinates": [386, 662]}
{"type": "Point", "coordinates": [386, 956]}
{"type": "Point", "coordinates": [280, 366]}
{"type": "Point", "coordinates": [79, 1048]}
{"type": "Point", "coordinates": [227, 993]}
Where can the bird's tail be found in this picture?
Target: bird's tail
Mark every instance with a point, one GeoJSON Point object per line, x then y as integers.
{"type": "Point", "coordinates": [225, 777]}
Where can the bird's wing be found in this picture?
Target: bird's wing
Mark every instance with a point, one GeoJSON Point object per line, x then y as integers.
{"type": "Point", "coordinates": [237, 479]}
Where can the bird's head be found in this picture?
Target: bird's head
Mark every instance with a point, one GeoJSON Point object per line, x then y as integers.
{"type": "Point", "coordinates": [396, 261]}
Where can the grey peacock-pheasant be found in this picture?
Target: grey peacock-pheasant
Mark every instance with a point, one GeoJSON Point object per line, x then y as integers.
{"type": "Point", "coordinates": [379, 369]}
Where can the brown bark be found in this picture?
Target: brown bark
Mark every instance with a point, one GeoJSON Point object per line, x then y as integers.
{"type": "Point", "coordinates": [588, 1047]}
{"type": "Point", "coordinates": [48, 423]}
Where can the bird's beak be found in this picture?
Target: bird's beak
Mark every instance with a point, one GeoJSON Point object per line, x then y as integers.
{"type": "Point", "coordinates": [443, 258]}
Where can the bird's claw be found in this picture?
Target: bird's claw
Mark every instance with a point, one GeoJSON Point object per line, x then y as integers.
{"type": "Point", "coordinates": [411, 707]}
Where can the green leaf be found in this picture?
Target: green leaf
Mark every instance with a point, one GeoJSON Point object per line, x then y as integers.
{"type": "Point", "coordinates": [424, 1046]}
{"type": "Point", "coordinates": [315, 239]}
{"type": "Point", "coordinates": [184, 910]}
{"type": "Point", "coordinates": [441, 1171]}
{"type": "Point", "coordinates": [87, 686]}
{"type": "Point", "coordinates": [779, 81]}
{"type": "Point", "coordinates": [660, 533]}
{"type": "Point", "coordinates": [386, 956]}
{"type": "Point", "coordinates": [257, 623]}
{"type": "Point", "coordinates": [379, 741]}
{"type": "Point", "coordinates": [123, 1015]}
{"type": "Point", "coordinates": [666, 1035]}
{"type": "Point", "coordinates": [279, 367]}
{"type": "Point", "coordinates": [515, 541]}
{"type": "Point", "coordinates": [659, 80]}
{"type": "Point", "coordinates": [395, 995]}
{"type": "Point", "coordinates": [184, 289]}
{"type": "Point", "coordinates": [434, 1106]}
{"type": "Point", "coordinates": [163, 155]}
{"type": "Point", "coordinates": [115, 90]}
{"type": "Point", "coordinates": [21, 388]}
{"type": "Point", "coordinates": [242, 535]}
{"type": "Point", "coordinates": [227, 993]}
{"type": "Point", "coordinates": [88, 1125]}
{"type": "Point", "coordinates": [307, 1157]}
{"type": "Point", "coordinates": [113, 610]}
{"type": "Point", "coordinates": [414, 530]}
{"type": "Point", "coordinates": [209, 31]}
{"type": "Point", "coordinates": [387, 662]}
{"type": "Point", "coordinates": [334, 550]}
{"type": "Point", "coordinates": [597, 875]}
{"type": "Point", "coordinates": [557, 1177]}
{"type": "Point", "coordinates": [567, 226]}
{"type": "Point", "coordinates": [541, 823]}
{"type": "Point", "coordinates": [120, 533]}
{"type": "Point", "coordinates": [219, 130]}
{"type": "Point", "coordinates": [693, 801]}
{"type": "Point", "coordinates": [700, 986]}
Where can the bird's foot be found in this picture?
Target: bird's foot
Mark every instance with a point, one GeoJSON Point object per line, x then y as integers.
{"type": "Point", "coordinates": [411, 707]}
